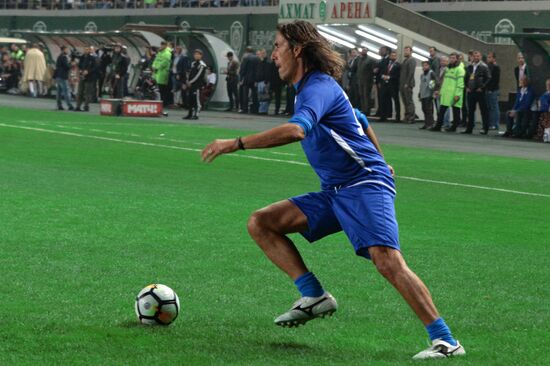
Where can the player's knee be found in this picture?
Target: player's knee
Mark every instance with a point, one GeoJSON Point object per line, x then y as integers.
{"type": "Point", "coordinates": [257, 224]}
{"type": "Point", "coordinates": [389, 263]}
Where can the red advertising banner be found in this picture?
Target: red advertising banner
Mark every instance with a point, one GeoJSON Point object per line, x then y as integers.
{"type": "Point", "coordinates": [142, 108]}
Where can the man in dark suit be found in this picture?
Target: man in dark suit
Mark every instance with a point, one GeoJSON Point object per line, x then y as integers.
{"type": "Point", "coordinates": [365, 78]}
{"type": "Point", "coordinates": [89, 73]}
{"type": "Point", "coordinates": [247, 79]}
{"type": "Point", "coordinates": [477, 76]}
{"type": "Point", "coordinates": [389, 89]}
{"type": "Point", "coordinates": [61, 76]}
{"type": "Point", "coordinates": [384, 52]}
{"type": "Point", "coordinates": [351, 70]}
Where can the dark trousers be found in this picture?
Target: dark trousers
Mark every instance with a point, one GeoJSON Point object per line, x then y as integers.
{"type": "Point", "coordinates": [193, 101]}
{"type": "Point", "coordinates": [118, 88]}
{"type": "Point", "coordinates": [428, 110]}
{"type": "Point", "coordinates": [520, 126]}
{"type": "Point", "coordinates": [474, 98]}
{"type": "Point", "coordinates": [277, 90]}
{"type": "Point", "coordinates": [233, 93]}
{"type": "Point", "coordinates": [441, 116]}
{"type": "Point", "coordinates": [389, 93]}
{"type": "Point", "coordinates": [86, 93]}
{"type": "Point", "coordinates": [165, 94]}
{"type": "Point", "coordinates": [247, 91]}
{"type": "Point", "coordinates": [364, 96]}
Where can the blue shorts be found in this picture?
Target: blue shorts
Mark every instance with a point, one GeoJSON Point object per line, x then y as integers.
{"type": "Point", "coordinates": [365, 212]}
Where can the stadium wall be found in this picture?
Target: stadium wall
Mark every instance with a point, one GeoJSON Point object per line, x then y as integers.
{"type": "Point", "coordinates": [238, 30]}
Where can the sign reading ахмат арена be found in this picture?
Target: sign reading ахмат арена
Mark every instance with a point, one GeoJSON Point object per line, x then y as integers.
{"type": "Point", "coordinates": [328, 12]}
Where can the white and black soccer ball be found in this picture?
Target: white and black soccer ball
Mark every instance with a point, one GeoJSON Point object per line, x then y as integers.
{"type": "Point", "coordinates": [157, 304]}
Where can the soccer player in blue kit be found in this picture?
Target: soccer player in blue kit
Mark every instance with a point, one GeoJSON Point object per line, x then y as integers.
{"type": "Point", "coordinates": [357, 187]}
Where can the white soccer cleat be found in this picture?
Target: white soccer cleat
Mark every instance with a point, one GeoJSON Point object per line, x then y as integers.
{"type": "Point", "coordinates": [306, 309]}
{"type": "Point", "coordinates": [440, 349]}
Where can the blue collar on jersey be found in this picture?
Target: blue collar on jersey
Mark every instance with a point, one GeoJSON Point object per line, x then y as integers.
{"type": "Point", "coordinates": [302, 82]}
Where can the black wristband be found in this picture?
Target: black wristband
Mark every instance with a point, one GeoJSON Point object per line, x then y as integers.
{"type": "Point", "coordinates": [240, 143]}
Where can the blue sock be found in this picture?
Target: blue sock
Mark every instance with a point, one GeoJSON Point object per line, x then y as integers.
{"type": "Point", "coordinates": [439, 330]}
{"type": "Point", "coordinates": [309, 285]}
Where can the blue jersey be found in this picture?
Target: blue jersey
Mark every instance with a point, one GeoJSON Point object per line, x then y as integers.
{"type": "Point", "coordinates": [336, 145]}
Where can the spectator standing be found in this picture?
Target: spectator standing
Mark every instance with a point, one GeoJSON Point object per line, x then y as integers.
{"type": "Point", "coordinates": [105, 59]}
{"type": "Point", "coordinates": [195, 83]}
{"type": "Point", "coordinates": [493, 92]}
{"type": "Point", "coordinates": [451, 94]}
{"type": "Point", "coordinates": [208, 89]}
{"type": "Point", "coordinates": [427, 86]}
{"type": "Point", "coordinates": [444, 62]}
{"type": "Point", "coordinates": [544, 113]}
{"type": "Point", "coordinates": [464, 65]}
{"type": "Point", "coordinates": [290, 96]}
{"type": "Point", "coordinates": [247, 80]}
{"type": "Point", "coordinates": [351, 70]}
{"type": "Point", "coordinates": [434, 60]}
{"type": "Point", "coordinates": [521, 70]}
{"type": "Point", "coordinates": [17, 53]}
{"type": "Point", "coordinates": [478, 77]}
{"type": "Point", "coordinates": [232, 81]}
{"type": "Point", "coordinates": [262, 82]}
{"type": "Point", "coordinates": [88, 66]}
{"type": "Point", "coordinates": [179, 69]}
{"type": "Point", "coordinates": [61, 76]}
{"type": "Point", "coordinates": [276, 86]}
{"type": "Point", "coordinates": [406, 83]}
{"type": "Point", "coordinates": [389, 89]}
{"type": "Point", "coordinates": [365, 79]}
{"type": "Point", "coordinates": [34, 70]}
{"type": "Point", "coordinates": [119, 68]}
{"type": "Point", "coordinates": [379, 70]}
{"type": "Point", "coordinates": [518, 119]}
{"type": "Point", "coordinates": [435, 65]}
{"type": "Point", "coordinates": [161, 71]}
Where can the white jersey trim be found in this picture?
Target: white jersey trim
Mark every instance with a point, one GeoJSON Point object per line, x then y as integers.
{"type": "Point", "coordinates": [375, 182]}
{"type": "Point", "coordinates": [344, 145]}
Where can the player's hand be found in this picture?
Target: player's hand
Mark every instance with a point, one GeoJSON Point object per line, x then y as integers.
{"type": "Point", "coordinates": [218, 147]}
{"type": "Point", "coordinates": [392, 171]}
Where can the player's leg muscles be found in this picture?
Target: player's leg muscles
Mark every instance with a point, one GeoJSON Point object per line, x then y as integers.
{"type": "Point", "coordinates": [390, 263]}
{"type": "Point", "coordinates": [269, 226]}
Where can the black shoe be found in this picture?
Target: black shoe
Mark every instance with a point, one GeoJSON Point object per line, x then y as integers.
{"type": "Point", "coordinates": [71, 108]}
{"type": "Point", "coordinates": [60, 108]}
{"type": "Point", "coordinates": [382, 119]}
{"type": "Point", "coordinates": [186, 117]}
{"type": "Point", "coordinates": [507, 134]}
{"type": "Point", "coordinates": [483, 132]}
{"type": "Point", "coordinates": [78, 110]}
{"type": "Point", "coordinates": [435, 129]}
{"type": "Point", "coordinates": [195, 117]}
{"type": "Point", "coordinates": [165, 114]}
{"type": "Point", "coordinates": [450, 129]}
{"type": "Point", "coordinates": [423, 127]}
{"type": "Point", "coordinates": [466, 132]}
{"type": "Point", "coordinates": [86, 109]}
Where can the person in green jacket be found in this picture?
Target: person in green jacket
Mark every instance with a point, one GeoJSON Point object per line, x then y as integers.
{"type": "Point", "coordinates": [161, 70]}
{"type": "Point", "coordinates": [451, 93]}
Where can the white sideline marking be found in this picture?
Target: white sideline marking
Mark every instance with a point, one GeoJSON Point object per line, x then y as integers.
{"type": "Point", "coordinates": [74, 134]}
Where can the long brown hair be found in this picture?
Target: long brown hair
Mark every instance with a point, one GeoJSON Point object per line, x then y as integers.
{"type": "Point", "coordinates": [317, 52]}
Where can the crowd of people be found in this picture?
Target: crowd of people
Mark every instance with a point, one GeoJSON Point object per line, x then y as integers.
{"type": "Point", "coordinates": [451, 86]}
{"type": "Point", "coordinates": [129, 4]}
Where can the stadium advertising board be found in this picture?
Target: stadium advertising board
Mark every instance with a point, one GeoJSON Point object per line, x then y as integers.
{"type": "Point", "coordinates": [328, 12]}
{"type": "Point", "coordinates": [141, 108]}
{"type": "Point", "coordinates": [109, 107]}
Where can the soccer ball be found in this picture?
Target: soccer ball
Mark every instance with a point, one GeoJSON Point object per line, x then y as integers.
{"type": "Point", "coordinates": [157, 304]}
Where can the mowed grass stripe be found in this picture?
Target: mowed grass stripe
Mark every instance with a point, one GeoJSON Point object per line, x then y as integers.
{"type": "Point", "coordinates": [248, 156]}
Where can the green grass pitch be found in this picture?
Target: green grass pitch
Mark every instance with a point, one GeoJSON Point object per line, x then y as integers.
{"type": "Point", "coordinates": [94, 208]}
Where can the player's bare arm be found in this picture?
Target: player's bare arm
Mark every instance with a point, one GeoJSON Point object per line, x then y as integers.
{"type": "Point", "coordinates": [280, 135]}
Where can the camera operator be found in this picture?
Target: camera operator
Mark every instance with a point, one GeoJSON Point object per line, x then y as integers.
{"type": "Point", "coordinates": [119, 68]}
{"type": "Point", "coordinates": [88, 66]}
{"type": "Point", "coordinates": [105, 59]}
